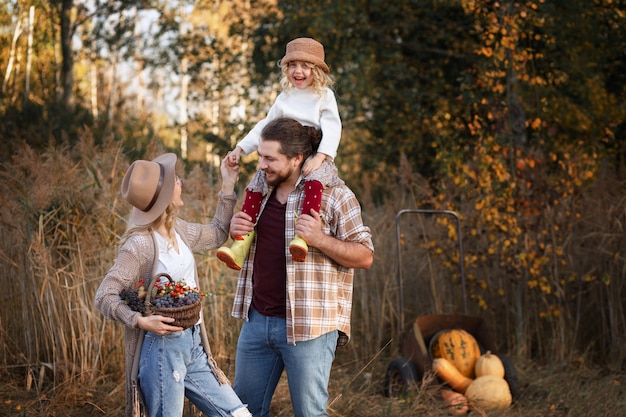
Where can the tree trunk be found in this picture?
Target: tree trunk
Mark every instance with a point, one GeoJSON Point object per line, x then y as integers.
{"type": "Point", "coordinates": [141, 85]}
{"type": "Point", "coordinates": [67, 75]}
{"type": "Point", "coordinates": [7, 74]}
{"type": "Point", "coordinates": [159, 100]}
{"type": "Point", "coordinates": [184, 84]}
{"type": "Point", "coordinates": [94, 85]}
{"type": "Point", "coordinates": [29, 53]}
{"type": "Point", "coordinates": [113, 90]}
{"type": "Point", "coordinates": [183, 108]}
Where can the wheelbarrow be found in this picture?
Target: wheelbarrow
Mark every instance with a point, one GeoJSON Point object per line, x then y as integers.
{"type": "Point", "coordinates": [415, 355]}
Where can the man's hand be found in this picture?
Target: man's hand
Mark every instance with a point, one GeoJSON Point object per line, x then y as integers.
{"type": "Point", "coordinates": [348, 254]}
{"type": "Point", "coordinates": [309, 228]}
{"type": "Point", "coordinates": [241, 224]}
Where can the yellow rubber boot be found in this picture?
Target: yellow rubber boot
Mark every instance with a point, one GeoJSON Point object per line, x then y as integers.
{"type": "Point", "coordinates": [234, 256]}
{"type": "Point", "coordinates": [298, 249]}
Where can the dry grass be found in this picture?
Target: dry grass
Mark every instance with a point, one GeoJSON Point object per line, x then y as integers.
{"type": "Point", "coordinates": [61, 217]}
{"type": "Point", "coordinates": [354, 392]}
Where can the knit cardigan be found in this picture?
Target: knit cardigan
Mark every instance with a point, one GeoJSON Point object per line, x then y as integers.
{"type": "Point", "coordinates": [135, 262]}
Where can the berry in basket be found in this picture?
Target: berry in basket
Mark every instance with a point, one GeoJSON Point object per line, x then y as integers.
{"type": "Point", "coordinates": [135, 297]}
{"type": "Point", "coordinates": [174, 299]}
{"type": "Point", "coordinates": [164, 295]}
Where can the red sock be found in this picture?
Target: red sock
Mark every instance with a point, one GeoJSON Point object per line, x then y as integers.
{"type": "Point", "coordinates": [251, 206]}
{"type": "Point", "coordinates": [312, 196]}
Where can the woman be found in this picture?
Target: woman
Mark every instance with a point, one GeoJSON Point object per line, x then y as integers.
{"type": "Point", "coordinates": [164, 362]}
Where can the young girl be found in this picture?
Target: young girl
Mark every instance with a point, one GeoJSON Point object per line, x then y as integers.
{"type": "Point", "coordinates": [307, 97]}
{"type": "Point", "coordinates": [164, 362]}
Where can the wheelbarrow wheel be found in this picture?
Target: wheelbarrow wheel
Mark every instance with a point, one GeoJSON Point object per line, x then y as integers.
{"type": "Point", "coordinates": [510, 375]}
{"type": "Point", "coordinates": [401, 375]}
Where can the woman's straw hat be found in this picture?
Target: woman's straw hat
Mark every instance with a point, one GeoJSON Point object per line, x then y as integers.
{"type": "Point", "coordinates": [149, 186]}
{"type": "Point", "coordinates": [306, 50]}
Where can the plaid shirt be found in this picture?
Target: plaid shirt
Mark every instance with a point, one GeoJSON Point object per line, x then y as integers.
{"type": "Point", "coordinates": [319, 290]}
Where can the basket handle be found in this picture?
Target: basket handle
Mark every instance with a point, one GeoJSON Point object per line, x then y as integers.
{"type": "Point", "coordinates": [153, 282]}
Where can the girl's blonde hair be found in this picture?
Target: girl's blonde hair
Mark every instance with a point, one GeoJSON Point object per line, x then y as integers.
{"type": "Point", "coordinates": [321, 79]}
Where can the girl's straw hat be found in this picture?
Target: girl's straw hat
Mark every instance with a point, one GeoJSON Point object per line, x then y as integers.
{"type": "Point", "coordinates": [306, 50]}
{"type": "Point", "coordinates": [149, 186]}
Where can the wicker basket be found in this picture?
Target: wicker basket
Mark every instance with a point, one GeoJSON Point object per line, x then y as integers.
{"type": "Point", "coordinates": [185, 316]}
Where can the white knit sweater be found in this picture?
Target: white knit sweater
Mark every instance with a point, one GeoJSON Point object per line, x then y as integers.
{"type": "Point", "coordinates": [308, 108]}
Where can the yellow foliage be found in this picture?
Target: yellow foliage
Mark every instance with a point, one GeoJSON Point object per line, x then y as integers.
{"type": "Point", "coordinates": [521, 205]}
{"type": "Point", "coordinates": [535, 124]}
{"type": "Point", "coordinates": [482, 304]}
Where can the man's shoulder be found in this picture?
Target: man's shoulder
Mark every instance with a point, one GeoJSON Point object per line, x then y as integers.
{"type": "Point", "coordinates": [341, 188]}
{"type": "Point", "coordinates": [340, 193]}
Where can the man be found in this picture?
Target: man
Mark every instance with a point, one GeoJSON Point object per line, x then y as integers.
{"type": "Point", "coordinates": [296, 313]}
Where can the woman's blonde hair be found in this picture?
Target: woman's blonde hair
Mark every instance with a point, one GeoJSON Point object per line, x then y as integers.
{"type": "Point", "coordinates": [168, 217]}
{"type": "Point", "coordinates": [321, 80]}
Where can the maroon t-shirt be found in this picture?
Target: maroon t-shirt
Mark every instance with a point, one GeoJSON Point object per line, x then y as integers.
{"type": "Point", "coordinates": [270, 272]}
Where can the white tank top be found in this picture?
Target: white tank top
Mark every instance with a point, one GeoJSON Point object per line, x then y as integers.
{"type": "Point", "coordinates": [178, 265]}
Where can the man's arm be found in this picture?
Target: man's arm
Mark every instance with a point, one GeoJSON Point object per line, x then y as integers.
{"type": "Point", "coordinates": [348, 254]}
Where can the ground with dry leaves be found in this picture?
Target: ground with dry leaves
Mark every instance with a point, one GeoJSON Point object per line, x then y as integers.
{"type": "Point", "coordinates": [559, 391]}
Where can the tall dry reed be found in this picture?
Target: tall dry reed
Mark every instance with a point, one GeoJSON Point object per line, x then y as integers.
{"type": "Point", "coordinates": [561, 297]}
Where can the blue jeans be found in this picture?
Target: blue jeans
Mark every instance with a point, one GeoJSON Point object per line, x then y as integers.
{"type": "Point", "coordinates": [174, 366]}
{"type": "Point", "coordinates": [263, 354]}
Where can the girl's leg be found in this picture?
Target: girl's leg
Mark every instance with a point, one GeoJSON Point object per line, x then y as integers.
{"type": "Point", "coordinates": [254, 195]}
{"type": "Point", "coordinates": [235, 255]}
{"type": "Point", "coordinates": [324, 177]}
{"type": "Point", "coordinates": [313, 190]}
{"type": "Point", "coordinates": [251, 205]}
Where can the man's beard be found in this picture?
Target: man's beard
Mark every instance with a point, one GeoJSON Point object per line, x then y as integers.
{"type": "Point", "coordinates": [278, 179]}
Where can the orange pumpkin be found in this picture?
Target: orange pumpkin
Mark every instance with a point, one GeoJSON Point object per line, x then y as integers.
{"type": "Point", "coordinates": [455, 403]}
{"type": "Point", "coordinates": [450, 375]}
{"type": "Point", "coordinates": [457, 346]}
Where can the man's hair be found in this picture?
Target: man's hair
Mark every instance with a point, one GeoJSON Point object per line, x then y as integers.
{"type": "Point", "coordinates": [294, 138]}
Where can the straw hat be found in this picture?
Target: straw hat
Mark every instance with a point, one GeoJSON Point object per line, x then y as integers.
{"type": "Point", "coordinates": [149, 186]}
{"type": "Point", "coordinates": [306, 50]}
